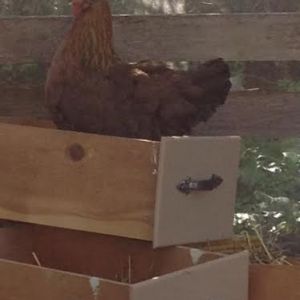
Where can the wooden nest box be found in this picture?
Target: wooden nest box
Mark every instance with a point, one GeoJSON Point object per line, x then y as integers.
{"type": "Point", "coordinates": [124, 187]}
{"type": "Point", "coordinates": [94, 206]}
{"type": "Point", "coordinates": [65, 264]}
{"type": "Point", "coordinates": [103, 218]}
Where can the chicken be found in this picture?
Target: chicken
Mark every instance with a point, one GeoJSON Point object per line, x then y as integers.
{"type": "Point", "coordinates": [90, 89]}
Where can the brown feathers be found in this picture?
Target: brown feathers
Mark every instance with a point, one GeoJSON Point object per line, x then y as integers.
{"type": "Point", "coordinates": [89, 89]}
{"type": "Point", "coordinates": [89, 43]}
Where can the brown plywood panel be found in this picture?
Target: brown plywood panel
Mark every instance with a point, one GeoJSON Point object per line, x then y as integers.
{"type": "Point", "coordinates": [224, 278]}
{"type": "Point", "coordinates": [78, 181]}
{"type": "Point", "coordinates": [274, 282]}
{"type": "Point", "coordinates": [21, 281]}
{"type": "Point", "coordinates": [104, 256]}
{"type": "Point", "coordinates": [203, 215]}
{"type": "Point", "coordinates": [16, 243]}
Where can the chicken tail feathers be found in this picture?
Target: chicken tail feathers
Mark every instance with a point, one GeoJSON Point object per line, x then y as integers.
{"type": "Point", "coordinates": [209, 88]}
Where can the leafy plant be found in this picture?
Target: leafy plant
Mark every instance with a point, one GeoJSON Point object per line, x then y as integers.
{"type": "Point", "coordinates": [288, 85]}
{"type": "Point", "coordinates": [269, 186]}
{"type": "Point", "coordinates": [29, 73]}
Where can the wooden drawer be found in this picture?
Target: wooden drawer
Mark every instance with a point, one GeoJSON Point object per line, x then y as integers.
{"type": "Point", "coordinates": [39, 262]}
{"type": "Point", "coordinates": [118, 186]}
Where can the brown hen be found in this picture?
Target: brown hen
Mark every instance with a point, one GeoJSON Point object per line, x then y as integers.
{"type": "Point", "coordinates": [89, 88]}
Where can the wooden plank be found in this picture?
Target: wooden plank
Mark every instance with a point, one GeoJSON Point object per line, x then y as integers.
{"type": "Point", "coordinates": [21, 281]}
{"type": "Point", "coordinates": [92, 272]}
{"type": "Point", "coordinates": [224, 278]}
{"type": "Point", "coordinates": [20, 101]}
{"type": "Point", "coordinates": [102, 256]}
{"type": "Point", "coordinates": [28, 122]}
{"type": "Point", "coordinates": [274, 282]}
{"type": "Point", "coordinates": [205, 215]}
{"type": "Point", "coordinates": [78, 181]}
{"type": "Point", "coordinates": [255, 113]}
{"type": "Point", "coordinates": [177, 37]}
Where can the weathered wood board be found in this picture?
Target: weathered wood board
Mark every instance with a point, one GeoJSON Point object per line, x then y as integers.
{"type": "Point", "coordinates": [174, 38]}
{"type": "Point", "coordinates": [109, 185]}
{"type": "Point", "coordinates": [249, 113]}
{"type": "Point", "coordinates": [256, 114]}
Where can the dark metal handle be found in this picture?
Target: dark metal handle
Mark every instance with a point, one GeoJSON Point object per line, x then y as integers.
{"type": "Point", "coordinates": [189, 185]}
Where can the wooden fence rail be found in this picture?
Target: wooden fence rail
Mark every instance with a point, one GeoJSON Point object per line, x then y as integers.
{"type": "Point", "coordinates": [245, 113]}
{"type": "Point", "coordinates": [181, 37]}
{"type": "Point", "coordinates": [241, 37]}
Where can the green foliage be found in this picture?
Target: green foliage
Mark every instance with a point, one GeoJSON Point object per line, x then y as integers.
{"type": "Point", "coordinates": [33, 7]}
{"type": "Point", "coordinates": [60, 7]}
{"type": "Point", "coordinates": [288, 85]}
{"type": "Point", "coordinates": [236, 68]}
{"type": "Point", "coordinates": [269, 185]}
{"type": "Point", "coordinates": [22, 73]}
{"type": "Point", "coordinates": [262, 5]}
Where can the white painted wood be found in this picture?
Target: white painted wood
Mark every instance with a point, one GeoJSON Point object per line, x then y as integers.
{"type": "Point", "coordinates": [221, 279]}
{"type": "Point", "coordinates": [199, 216]}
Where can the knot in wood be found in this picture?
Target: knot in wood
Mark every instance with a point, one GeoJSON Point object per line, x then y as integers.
{"type": "Point", "coordinates": [76, 152]}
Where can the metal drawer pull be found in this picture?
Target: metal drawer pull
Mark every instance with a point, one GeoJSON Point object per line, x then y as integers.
{"type": "Point", "coordinates": [189, 185]}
